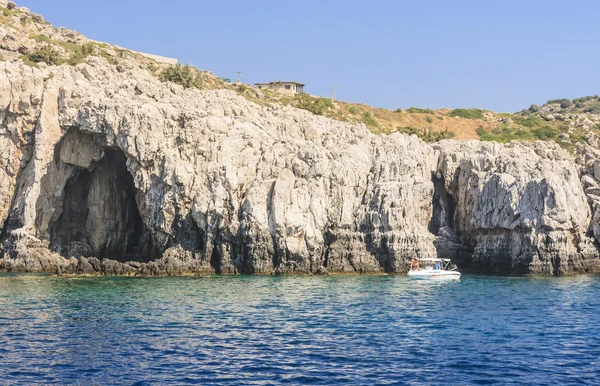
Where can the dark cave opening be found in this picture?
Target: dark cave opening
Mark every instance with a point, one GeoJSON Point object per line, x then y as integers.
{"type": "Point", "coordinates": [100, 215]}
{"type": "Point", "coordinates": [444, 207]}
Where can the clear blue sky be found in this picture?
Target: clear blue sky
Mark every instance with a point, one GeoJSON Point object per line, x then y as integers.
{"type": "Point", "coordinates": [500, 55]}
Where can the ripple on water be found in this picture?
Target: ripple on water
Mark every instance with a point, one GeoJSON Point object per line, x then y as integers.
{"type": "Point", "coordinates": [298, 330]}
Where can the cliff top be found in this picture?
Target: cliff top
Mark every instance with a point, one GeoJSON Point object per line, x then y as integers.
{"type": "Point", "coordinates": [26, 36]}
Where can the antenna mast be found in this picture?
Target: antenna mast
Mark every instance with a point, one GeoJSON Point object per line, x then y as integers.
{"type": "Point", "coordinates": [335, 86]}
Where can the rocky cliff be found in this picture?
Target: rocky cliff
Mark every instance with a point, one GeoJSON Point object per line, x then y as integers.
{"type": "Point", "coordinates": [106, 170]}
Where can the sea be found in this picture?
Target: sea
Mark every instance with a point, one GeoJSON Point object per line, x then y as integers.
{"type": "Point", "coordinates": [354, 330]}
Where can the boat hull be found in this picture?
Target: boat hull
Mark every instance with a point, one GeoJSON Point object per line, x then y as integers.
{"type": "Point", "coordinates": [434, 275]}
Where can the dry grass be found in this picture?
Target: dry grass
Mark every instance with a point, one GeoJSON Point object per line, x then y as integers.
{"type": "Point", "coordinates": [388, 120]}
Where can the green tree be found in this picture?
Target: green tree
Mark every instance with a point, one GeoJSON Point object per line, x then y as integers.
{"type": "Point", "coordinates": [185, 75]}
{"type": "Point", "coordinates": [46, 54]}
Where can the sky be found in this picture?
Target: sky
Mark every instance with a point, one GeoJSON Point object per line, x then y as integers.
{"type": "Point", "coordinates": [501, 55]}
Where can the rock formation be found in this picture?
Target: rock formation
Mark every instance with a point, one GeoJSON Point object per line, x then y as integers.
{"type": "Point", "coordinates": [106, 170]}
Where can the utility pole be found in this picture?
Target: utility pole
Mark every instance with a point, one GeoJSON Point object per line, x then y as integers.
{"type": "Point", "coordinates": [239, 74]}
{"type": "Point", "coordinates": [335, 86]}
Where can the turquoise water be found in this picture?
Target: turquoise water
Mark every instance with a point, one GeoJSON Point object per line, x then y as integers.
{"type": "Point", "coordinates": [299, 330]}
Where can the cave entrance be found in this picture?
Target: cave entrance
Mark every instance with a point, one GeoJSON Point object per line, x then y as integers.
{"type": "Point", "coordinates": [444, 207]}
{"type": "Point", "coordinates": [100, 215]}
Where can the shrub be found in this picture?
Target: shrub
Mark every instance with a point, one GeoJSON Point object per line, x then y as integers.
{"type": "Point", "coordinates": [329, 103]}
{"type": "Point", "coordinates": [368, 120]}
{"type": "Point", "coordinates": [564, 102]}
{"type": "Point", "coordinates": [398, 111]}
{"type": "Point", "coordinates": [408, 130]}
{"type": "Point", "coordinates": [41, 38]}
{"type": "Point", "coordinates": [427, 135]}
{"type": "Point", "coordinates": [46, 54]}
{"type": "Point", "coordinates": [109, 58]}
{"type": "Point", "coordinates": [440, 117]}
{"type": "Point", "coordinates": [352, 110]}
{"type": "Point", "coordinates": [185, 75]}
{"type": "Point", "coordinates": [225, 80]}
{"type": "Point", "coordinates": [531, 121]}
{"type": "Point", "coordinates": [593, 109]}
{"type": "Point", "coordinates": [467, 113]}
{"type": "Point", "coordinates": [80, 53]}
{"type": "Point", "coordinates": [481, 131]}
{"type": "Point", "coordinates": [534, 108]}
{"type": "Point", "coordinates": [545, 133]}
{"type": "Point", "coordinates": [317, 106]}
{"type": "Point", "coordinates": [429, 119]}
{"type": "Point", "coordinates": [419, 111]}
{"type": "Point", "coordinates": [87, 49]}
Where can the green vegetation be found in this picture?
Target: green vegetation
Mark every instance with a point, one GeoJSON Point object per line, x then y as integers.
{"type": "Point", "coordinates": [592, 108]}
{"type": "Point", "coordinates": [7, 23]}
{"type": "Point", "coordinates": [80, 53]}
{"type": "Point", "coordinates": [507, 133]}
{"type": "Point", "coordinates": [185, 75]}
{"type": "Point", "coordinates": [398, 111]}
{"type": "Point", "coordinates": [419, 111]}
{"type": "Point", "coordinates": [587, 104]}
{"type": "Point", "coordinates": [225, 80]}
{"type": "Point", "coordinates": [51, 56]}
{"type": "Point", "coordinates": [368, 120]}
{"type": "Point", "coordinates": [109, 58]}
{"type": "Point", "coordinates": [564, 103]}
{"type": "Point", "coordinates": [329, 103]}
{"type": "Point", "coordinates": [429, 119]}
{"type": "Point", "coordinates": [41, 38]}
{"type": "Point", "coordinates": [427, 135]}
{"type": "Point", "coordinates": [440, 117]}
{"type": "Point", "coordinates": [504, 134]}
{"type": "Point", "coordinates": [7, 12]}
{"type": "Point", "coordinates": [46, 54]}
{"type": "Point", "coordinates": [545, 133]}
{"type": "Point", "coordinates": [315, 105]}
{"type": "Point", "coordinates": [529, 121]}
{"type": "Point", "coordinates": [352, 110]}
{"type": "Point", "coordinates": [467, 113]}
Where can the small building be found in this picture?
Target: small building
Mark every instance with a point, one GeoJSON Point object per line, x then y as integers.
{"type": "Point", "coordinates": [287, 88]}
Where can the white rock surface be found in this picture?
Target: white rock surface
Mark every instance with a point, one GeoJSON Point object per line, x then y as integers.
{"type": "Point", "coordinates": [104, 169]}
{"type": "Point", "coordinates": [520, 206]}
{"type": "Point", "coordinates": [243, 188]}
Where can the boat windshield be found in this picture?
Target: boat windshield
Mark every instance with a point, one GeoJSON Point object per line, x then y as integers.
{"type": "Point", "coordinates": [442, 264]}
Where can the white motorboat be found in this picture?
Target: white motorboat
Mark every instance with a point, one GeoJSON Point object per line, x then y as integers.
{"type": "Point", "coordinates": [433, 269]}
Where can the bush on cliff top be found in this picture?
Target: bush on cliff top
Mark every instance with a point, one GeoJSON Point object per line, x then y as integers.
{"type": "Point", "coordinates": [427, 135]}
{"type": "Point", "coordinates": [369, 120]}
{"type": "Point", "coordinates": [46, 54]}
{"type": "Point", "coordinates": [317, 106]}
{"type": "Point", "coordinates": [185, 75]}
{"type": "Point", "coordinates": [49, 55]}
{"type": "Point", "coordinates": [416, 110]}
{"type": "Point", "coordinates": [467, 113]}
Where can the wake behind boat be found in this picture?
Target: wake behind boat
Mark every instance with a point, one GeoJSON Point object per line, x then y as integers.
{"type": "Point", "coordinates": [433, 269]}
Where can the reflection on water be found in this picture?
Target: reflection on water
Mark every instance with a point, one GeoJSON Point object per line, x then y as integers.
{"type": "Point", "coordinates": [265, 330]}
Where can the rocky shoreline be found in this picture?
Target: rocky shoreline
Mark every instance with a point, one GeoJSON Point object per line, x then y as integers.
{"type": "Point", "coordinates": [106, 170]}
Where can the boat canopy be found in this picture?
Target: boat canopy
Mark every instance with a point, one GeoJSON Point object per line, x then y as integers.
{"type": "Point", "coordinates": [429, 260]}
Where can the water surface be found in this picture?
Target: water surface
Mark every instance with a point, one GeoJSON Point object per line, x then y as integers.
{"type": "Point", "coordinates": [298, 330]}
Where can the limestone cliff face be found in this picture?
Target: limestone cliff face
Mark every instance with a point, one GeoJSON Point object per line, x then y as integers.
{"type": "Point", "coordinates": [518, 208]}
{"type": "Point", "coordinates": [113, 172]}
{"type": "Point", "coordinates": [116, 165]}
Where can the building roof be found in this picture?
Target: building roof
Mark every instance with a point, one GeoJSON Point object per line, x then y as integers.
{"type": "Point", "coordinates": [280, 82]}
